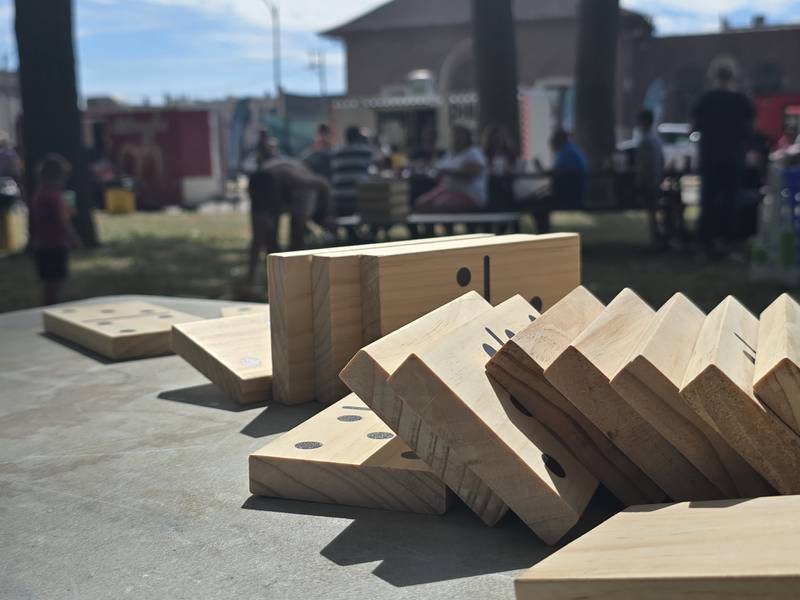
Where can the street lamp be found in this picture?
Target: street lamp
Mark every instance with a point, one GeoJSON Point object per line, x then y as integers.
{"type": "Point", "coordinates": [276, 43]}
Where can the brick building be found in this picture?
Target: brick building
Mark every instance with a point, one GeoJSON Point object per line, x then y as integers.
{"type": "Point", "coordinates": [664, 72]}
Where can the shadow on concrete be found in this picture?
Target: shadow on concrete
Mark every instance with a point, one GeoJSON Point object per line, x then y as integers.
{"type": "Point", "coordinates": [277, 418]}
{"type": "Point", "coordinates": [207, 395]}
{"type": "Point", "coordinates": [418, 549]}
{"type": "Point", "coordinates": [79, 349]}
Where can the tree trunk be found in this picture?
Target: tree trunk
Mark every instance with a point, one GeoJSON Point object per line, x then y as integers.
{"type": "Point", "coordinates": [596, 85]}
{"type": "Point", "coordinates": [495, 50]}
{"type": "Point", "coordinates": [51, 119]}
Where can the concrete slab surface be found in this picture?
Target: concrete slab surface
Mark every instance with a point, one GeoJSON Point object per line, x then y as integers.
{"type": "Point", "coordinates": [130, 480]}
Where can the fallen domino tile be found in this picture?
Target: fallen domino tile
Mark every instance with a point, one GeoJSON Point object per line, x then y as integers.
{"type": "Point", "coordinates": [777, 373]}
{"type": "Point", "coordinates": [515, 455]}
{"type": "Point", "coordinates": [519, 367]}
{"type": "Point", "coordinates": [336, 303]}
{"type": "Point", "coordinates": [650, 382]}
{"type": "Point", "coordinates": [368, 373]}
{"type": "Point", "coordinates": [291, 319]}
{"type": "Point", "coordinates": [239, 310]}
{"type": "Point", "coordinates": [713, 550]}
{"type": "Point", "coordinates": [583, 373]}
{"type": "Point", "coordinates": [119, 331]}
{"type": "Point", "coordinates": [718, 385]}
{"type": "Point", "coordinates": [346, 455]}
{"type": "Point", "coordinates": [233, 352]}
{"type": "Point", "coordinates": [404, 285]}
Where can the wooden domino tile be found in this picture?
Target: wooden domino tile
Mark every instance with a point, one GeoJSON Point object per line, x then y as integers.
{"type": "Point", "coordinates": [403, 286]}
{"type": "Point", "coordinates": [583, 373]}
{"type": "Point", "coordinates": [777, 372]}
{"type": "Point", "coordinates": [291, 319]}
{"type": "Point", "coordinates": [367, 374]}
{"type": "Point", "coordinates": [519, 367]}
{"type": "Point", "coordinates": [241, 309]}
{"type": "Point", "coordinates": [650, 382]}
{"type": "Point", "coordinates": [336, 302]}
{"type": "Point", "coordinates": [233, 352]}
{"type": "Point", "coordinates": [718, 385]}
{"type": "Point", "coordinates": [346, 455]}
{"type": "Point", "coordinates": [516, 456]}
{"type": "Point", "coordinates": [119, 331]}
{"type": "Point", "coordinates": [713, 550]}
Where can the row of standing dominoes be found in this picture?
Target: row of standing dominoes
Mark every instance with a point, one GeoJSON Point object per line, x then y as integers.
{"type": "Point", "coordinates": [327, 304]}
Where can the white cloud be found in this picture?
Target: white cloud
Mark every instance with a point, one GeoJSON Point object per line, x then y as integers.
{"type": "Point", "coordinates": [305, 15]}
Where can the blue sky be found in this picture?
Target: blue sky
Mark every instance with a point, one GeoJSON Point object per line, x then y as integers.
{"type": "Point", "coordinates": [212, 48]}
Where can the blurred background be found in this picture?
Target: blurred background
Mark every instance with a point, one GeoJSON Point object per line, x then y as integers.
{"type": "Point", "coordinates": [165, 110]}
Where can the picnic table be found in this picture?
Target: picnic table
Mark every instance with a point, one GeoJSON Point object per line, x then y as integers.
{"type": "Point", "coordinates": [130, 478]}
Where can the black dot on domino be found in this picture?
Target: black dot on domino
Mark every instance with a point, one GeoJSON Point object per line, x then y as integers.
{"type": "Point", "coordinates": [463, 277]}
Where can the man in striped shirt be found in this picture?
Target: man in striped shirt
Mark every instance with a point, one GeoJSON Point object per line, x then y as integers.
{"type": "Point", "coordinates": [350, 165]}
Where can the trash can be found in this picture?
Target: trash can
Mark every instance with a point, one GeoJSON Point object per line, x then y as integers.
{"type": "Point", "coordinates": [119, 198]}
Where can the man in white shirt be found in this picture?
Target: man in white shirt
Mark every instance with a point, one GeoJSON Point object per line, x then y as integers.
{"type": "Point", "coordinates": [464, 176]}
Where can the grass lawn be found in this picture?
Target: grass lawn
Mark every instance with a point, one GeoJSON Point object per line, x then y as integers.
{"type": "Point", "coordinates": [203, 255]}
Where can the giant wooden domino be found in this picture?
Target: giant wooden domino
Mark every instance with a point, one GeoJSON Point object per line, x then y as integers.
{"type": "Point", "coordinates": [583, 373]}
{"type": "Point", "coordinates": [777, 374]}
{"type": "Point", "coordinates": [241, 309]}
{"type": "Point", "coordinates": [346, 455]}
{"type": "Point", "coordinates": [714, 550]}
{"type": "Point", "coordinates": [519, 367]}
{"type": "Point", "coordinates": [515, 455]}
{"type": "Point", "coordinates": [650, 382]}
{"type": "Point", "coordinates": [401, 286]}
{"type": "Point", "coordinates": [119, 331]}
{"type": "Point", "coordinates": [291, 318]}
{"type": "Point", "coordinates": [718, 385]}
{"type": "Point", "coordinates": [233, 352]}
{"type": "Point", "coordinates": [336, 302]}
{"type": "Point", "coordinates": [368, 373]}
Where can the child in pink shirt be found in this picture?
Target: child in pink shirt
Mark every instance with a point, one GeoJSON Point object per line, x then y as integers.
{"type": "Point", "coordinates": [52, 230]}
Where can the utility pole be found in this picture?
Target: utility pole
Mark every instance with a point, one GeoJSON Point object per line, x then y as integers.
{"type": "Point", "coordinates": [495, 50]}
{"type": "Point", "coordinates": [316, 62]}
{"type": "Point", "coordinates": [275, 15]}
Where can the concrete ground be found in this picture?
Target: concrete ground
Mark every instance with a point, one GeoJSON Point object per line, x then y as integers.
{"type": "Point", "coordinates": [130, 480]}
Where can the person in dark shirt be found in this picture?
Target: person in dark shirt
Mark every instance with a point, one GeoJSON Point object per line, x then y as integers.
{"type": "Point", "coordinates": [724, 119]}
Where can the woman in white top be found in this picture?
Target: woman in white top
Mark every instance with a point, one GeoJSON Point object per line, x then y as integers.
{"type": "Point", "coordinates": [463, 176]}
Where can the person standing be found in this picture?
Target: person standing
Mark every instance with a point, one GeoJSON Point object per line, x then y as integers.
{"type": "Point", "coordinates": [649, 168]}
{"type": "Point", "coordinates": [350, 166]}
{"type": "Point", "coordinates": [53, 234]}
{"type": "Point", "coordinates": [724, 118]}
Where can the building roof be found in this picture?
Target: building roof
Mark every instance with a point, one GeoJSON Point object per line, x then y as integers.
{"type": "Point", "coordinates": [401, 14]}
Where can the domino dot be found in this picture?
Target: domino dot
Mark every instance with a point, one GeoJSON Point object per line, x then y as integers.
{"type": "Point", "coordinates": [463, 277]}
{"type": "Point", "coordinates": [355, 408]}
{"type": "Point", "coordinates": [104, 323]}
{"type": "Point", "coordinates": [349, 418]}
{"type": "Point", "coordinates": [536, 302]}
{"type": "Point", "coordinates": [127, 331]}
{"type": "Point", "coordinates": [410, 455]}
{"type": "Point", "coordinates": [489, 350]}
{"type": "Point", "coordinates": [553, 466]}
{"type": "Point", "coordinates": [308, 445]}
{"type": "Point", "coordinates": [380, 435]}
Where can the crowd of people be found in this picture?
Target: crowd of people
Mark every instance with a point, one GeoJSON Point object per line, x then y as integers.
{"type": "Point", "coordinates": [322, 184]}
